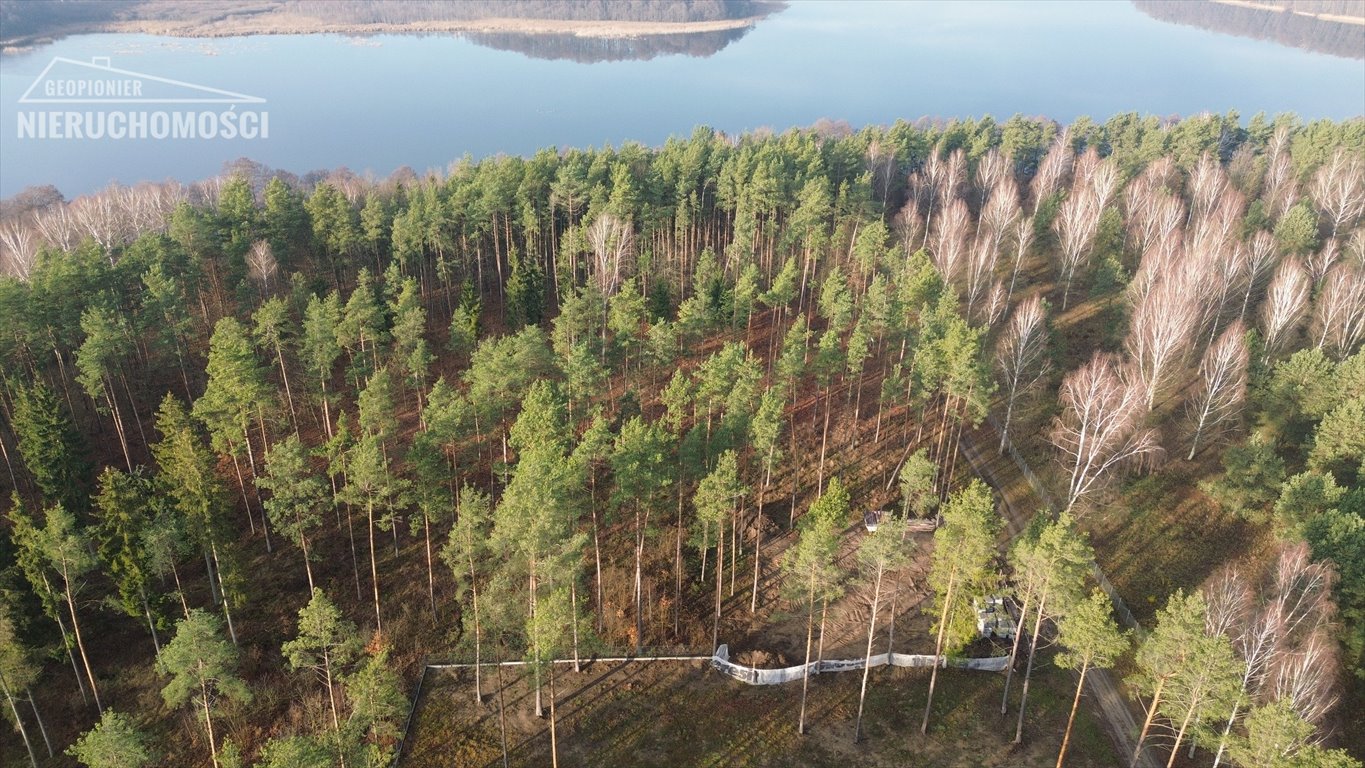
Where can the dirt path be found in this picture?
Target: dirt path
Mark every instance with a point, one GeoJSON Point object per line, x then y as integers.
{"type": "Point", "coordinates": [1119, 720]}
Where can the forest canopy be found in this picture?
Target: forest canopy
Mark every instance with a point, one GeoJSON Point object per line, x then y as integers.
{"type": "Point", "coordinates": [272, 442]}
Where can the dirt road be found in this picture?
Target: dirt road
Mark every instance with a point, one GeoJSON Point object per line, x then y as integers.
{"type": "Point", "coordinates": [1119, 719]}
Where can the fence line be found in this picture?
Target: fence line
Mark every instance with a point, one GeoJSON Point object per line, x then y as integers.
{"type": "Point", "coordinates": [412, 712]}
{"type": "Point", "coordinates": [755, 676]}
{"type": "Point", "coordinates": [610, 659]}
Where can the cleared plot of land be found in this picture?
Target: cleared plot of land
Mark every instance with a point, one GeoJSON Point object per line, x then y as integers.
{"type": "Point", "coordinates": [684, 714]}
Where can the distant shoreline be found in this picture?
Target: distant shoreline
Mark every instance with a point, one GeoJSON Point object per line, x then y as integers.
{"type": "Point", "coordinates": [1357, 20]}
{"type": "Point", "coordinates": [239, 25]}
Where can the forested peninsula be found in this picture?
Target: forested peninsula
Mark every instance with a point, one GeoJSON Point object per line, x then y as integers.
{"type": "Point", "coordinates": [27, 22]}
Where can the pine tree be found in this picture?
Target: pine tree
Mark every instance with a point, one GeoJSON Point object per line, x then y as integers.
{"type": "Point", "coordinates": [326, 646]}
{"type": "Point", "coordinates": [236, 394]}
{"type": "Point", "coordinates": [98, 365]}
{"type": "Point", "coordinates": [296, 495]}
{"type": "Point", "coordinates": [1165, 653]}
{"type": "Point", "coordinates": [372, 485]}
{"type": "Point", "coordinates": [1092, 641]}
{"type": "Point", "coordinates": [1051, 562]}
{"type": "Point", "coordinates": [114, 742]}
{"type": "Point", "coordinates": [61, 555]}
{"type": "Point", "coordinates": [203, 670]}
{"type": "Point", "coordinates": [715, 500]}
{"type": "Point", "coordinates": [17, 672]}
{"type": "Point", "coordinates": [810, 573]}
{"type": "Point", "coordinates": [377, 705]}
{"type": "Point", "coordinates": [319, 347]}
{"type": "Point", "coordinates": [465, 553]}
{"type": "Point", "coordinates": [125, 511]}
{"type": "Point", "coordinates": [274, 331]}
{"type": "Point", "coordinates": [960, 569]}
{"type": "Point", "coordinates": [887, 549]}
{"type": "Point", "coordinates": [187, 473]}
{"type": "Point", "coordinates": [51, 448]}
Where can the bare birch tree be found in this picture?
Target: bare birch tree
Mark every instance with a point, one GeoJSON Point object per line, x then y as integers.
{"type": "Point", "coordinates": [1320, 262]}
{"type": "Point", "coordinates": [1339, 189]}
{"type": "Point", "coordinates": [1207, 184]}
{"type": "Point", "coordinates": [1222, 383]}
{"type": "Point", "coordinates": [1100, 428]}
{"type": "Point", "coordinates": [612, 242]}
{"type": "Point", "coordinates": [261, 264]}
{"type": "Point", "coordinates": [1281, 185]}
{"type": "Point", "coordinates": [1023, 238]}
{"type": "Point", "coordinates": [1052, 171]}
{"type": "Point", "coordinates": [1260, 256]}
{"type": "Point", "coordinates": [1078, 217]}
{"type": "Point", "coordinates": [1021, 354]}
{"type": "Point", "coordinates": [1273, 622]}
{"type": "Point", "coordinates": [1160, 334]}
{"type": "Point", "coordinates": [58, 226]}
{"type": "Point", "coordinates": [950, 250]}
{"type": "Point", "coordinates": [18, 249]}
{"type": "Point", "coordinates": [1339, 313]}
{"type": "Point", "coordinates": [1286, 302]}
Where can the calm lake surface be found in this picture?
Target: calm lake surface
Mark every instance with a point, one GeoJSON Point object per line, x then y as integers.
{"type": "Point", "coordinates": [378, 103]}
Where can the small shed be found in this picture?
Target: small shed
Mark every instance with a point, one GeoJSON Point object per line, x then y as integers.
{"type": "Point", "coordinates": [994, 618]}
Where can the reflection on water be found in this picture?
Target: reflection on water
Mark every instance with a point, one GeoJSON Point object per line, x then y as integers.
{"type": "Point", "coordinates": [590, 50]}
{"type": "Point", "coordinates": [1286, 28]}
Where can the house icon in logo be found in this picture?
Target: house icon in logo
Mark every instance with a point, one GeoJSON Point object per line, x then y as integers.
{"type": "Point", "coordinates": [68, 81]}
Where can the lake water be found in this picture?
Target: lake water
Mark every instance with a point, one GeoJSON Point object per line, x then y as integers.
{"type": "Point", "coordinates": [376, 104]}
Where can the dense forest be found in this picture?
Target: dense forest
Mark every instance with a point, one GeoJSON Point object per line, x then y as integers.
{"type": "Point", "coordinates": [627, 400]}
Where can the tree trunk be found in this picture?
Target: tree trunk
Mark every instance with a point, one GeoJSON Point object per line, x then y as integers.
{"type": "Point", "coordinates": [38, 717]}
{"type": "Point", "coordinates": [554, 740]}
{"type": "Point", "coordinates": [1075, 702]}
{"type": "Point", "coordinates": [1227, 730]}
{"type": "Point", "coordinates": [805, 677]}
{"type": "Point", "coordinates": [227, 611]}
{"type": "Point", "coordinates": [758, 529]}
{"type": "Point", "coordinates": [19, 722]}
{"type": "Point", "coordinates": [80, 642]}
{"type": "Point", "coordinates": [474, 602]}
{"type": "Point", "coordinates": [179, 591]}
{"type": "Point", "coordinates": [208, 722]}
{"type": "Point", "coordinates": [246, 500]}
{"type": "Point", "coordinates": [151, 625]}
{"type": "Point", "coordinates": [1028, 670]}
{"type": "Point", "coordinates": [720, 579]}
{"type": "Point", "coordinates": [374, 570]}
{"type": "Point", "coordinates": [1005, 425]}
{"type": "Point", "coordinates": [66, 643]}
{"type": "Point", "coordinates": [1014, 654]}
{"type": "Point", "coordinates": [824, 440]}
{"type": "Point", "coordinates": [355, 558]}
{"type": "Point", "coordinates": [938, 651]}
{"type": "Point", "coordinates": [1180, 736]}
{"type": "Point", "coordinates": [288, 395]}
{"type": "Point", "coordinates": [867, 656]}
{"type": "Point", "coordinates": [597, 558]}
{"type": "Point", "coordinates": [1147, 722]}
{"type": "Point", "coordinates": [431, 571]}
{"type": "Point", "coordinates": [307, 566]}
{"type": "Point", "coordinates": [502, 712]}
{"type": "Point", "coordinates": [639, 583]}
